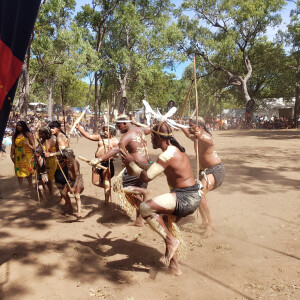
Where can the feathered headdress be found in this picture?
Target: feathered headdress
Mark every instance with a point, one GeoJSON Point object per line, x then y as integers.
{"type": "Point", "coordinates": [164, 118]}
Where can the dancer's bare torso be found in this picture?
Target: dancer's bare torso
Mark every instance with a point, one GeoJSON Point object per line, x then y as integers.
{"type": "Point", "coordinates": [206, 150]}
{"type": "Point", "coordinates": [136, 144]}
{"type": "Point", "coordinates": [105, 144]}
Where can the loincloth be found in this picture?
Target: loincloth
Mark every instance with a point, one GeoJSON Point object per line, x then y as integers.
{"type": "Point", "coordinates": [105, 164]}
{"type": "Point", "coordinates": [218, 171]}
{"type": "Point", "coordinates": [188, 200]}
{"type": "Point", "coordinates": [128, 180]}
{"type": "Point", "coordinates": [59, 177]}
{"type": "Point", "coordinates": [79, 184]}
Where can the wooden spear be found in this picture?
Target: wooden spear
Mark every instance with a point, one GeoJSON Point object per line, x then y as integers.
{"type": "Point", "coordinates": [186, 100]}
{"type": "Point", "coordinates": [196, 94]}
{"type": "Point", "coordinates": [63, 105]}
{"type": "Point", "coordinates": [108, 132]}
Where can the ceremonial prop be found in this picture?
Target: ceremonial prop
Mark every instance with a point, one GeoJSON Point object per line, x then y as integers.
{"type": "Point", "coordinates": [62, 171]}
{"type": "Point", "coordinates": [108, 136]}
{"type": "Point", "coordinates": [16, 26]}
{"type": "Point", "coordinates": [186, 100]}
{"type": "Point", "coordinates": [196, 93]}
{"type": "Point", "coordinates": [63, 105]}
{"type": "Point", "coordinates": [88, 161]}
{"type": "Point", "coordinates": [164, 118]}
{"type": "Point", "coordinates": [79, 119]}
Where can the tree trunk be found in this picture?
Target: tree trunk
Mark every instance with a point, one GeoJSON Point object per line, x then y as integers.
{"type": "Point", "coordinates": [50, 100]}
{"type": "Point", "coordinates": [297, 103]}
{"type": "Point", "coordinates": [123, 83]}
{"type": "Point", "coordinates": [24, 92]}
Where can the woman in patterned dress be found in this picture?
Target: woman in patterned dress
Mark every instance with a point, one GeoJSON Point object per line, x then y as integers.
{"type": "Point", "coordinates": [22, 153]}
{"type": "Point", "coordinates": [48, 145]}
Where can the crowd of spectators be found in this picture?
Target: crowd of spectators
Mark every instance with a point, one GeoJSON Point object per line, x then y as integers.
{"type": "Point", "coordinates": [259, 122]}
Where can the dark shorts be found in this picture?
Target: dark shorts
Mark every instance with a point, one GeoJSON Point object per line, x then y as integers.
{"type": "Point", "coordinates": [188, 200]}
{"type": "Point", "coordinates": [218, 172]}
{"type": "Point", "coordinates": [133, 181]}
{"type": "Point", "coordinates": [79, 184]}
{"type": "Point", "coordinates": [105, 164]}
{"type": "Point", "coordinates": [59, 177]}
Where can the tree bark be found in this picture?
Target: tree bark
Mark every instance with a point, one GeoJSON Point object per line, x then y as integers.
{"type": "Point", "coordinates": [123, 84]}
{"type": "Point", "coordinates": [297, 103]}
{"type": "Point", "coordinates": [24, 92]}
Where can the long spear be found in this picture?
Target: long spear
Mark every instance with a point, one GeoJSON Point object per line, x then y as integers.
{"type": "Point", "coordinates": [196, 93]}
{"type": "Point", "coordinates": [108, 132]}
{"type": "Point", "coordinates": [186, 100]}
{"type": "Point", "coordinates": [63, 104]}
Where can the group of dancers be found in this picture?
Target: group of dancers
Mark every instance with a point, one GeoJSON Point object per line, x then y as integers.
{"type": "Point", "coordinates": [55, 160]}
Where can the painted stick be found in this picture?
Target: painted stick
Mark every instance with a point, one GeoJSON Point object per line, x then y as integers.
{"type": "Point", "coordinates": [63, 104]}
{"type": "Point", "coordinates": [108, 132]}
{"type": "Point", "coordinates": [88, 160]}
{"type": "Point", "coordinates": [79, 119]}
{"type": "Point", "coordinates": [62, 171]}
{"type": "Point", "coordinates": [196, 94]}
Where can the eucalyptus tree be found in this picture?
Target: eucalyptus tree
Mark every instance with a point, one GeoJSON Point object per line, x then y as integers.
{"type": "Point", "coordinates": [96, 19]}
{"type": "Point", "coordinates": [138, 43]}
{"type": "Point", "coordinates": [46, 47]}
{"type": "Point", "coordinates": [223, 32]}
{"type": "Point", "coordinates": [292, 37]}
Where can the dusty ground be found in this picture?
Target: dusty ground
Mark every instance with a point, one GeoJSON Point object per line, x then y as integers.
{"type": "Point", "coordinates": [254, 253]}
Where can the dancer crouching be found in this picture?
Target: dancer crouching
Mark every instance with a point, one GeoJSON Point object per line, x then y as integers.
{"type": "Point", "coordinates": [184, 197]}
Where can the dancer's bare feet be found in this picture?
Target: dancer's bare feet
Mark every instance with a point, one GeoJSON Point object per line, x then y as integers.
{"type": "Point", "coordinates": [172, 246]}
{"type": "Point", "coordinates": [208, 231]}
{"type": "Point", "coordinates": [174, 267]}
{"type": "Point", "coordinates": [203, 225]}
{"type": "Point", "coordinates": [62, 201]}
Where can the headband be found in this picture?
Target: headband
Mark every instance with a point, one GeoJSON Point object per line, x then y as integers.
{"type": "Point", "coordinates": [122, 121]}
{"type": "Point", "coordinates": [161, 133]}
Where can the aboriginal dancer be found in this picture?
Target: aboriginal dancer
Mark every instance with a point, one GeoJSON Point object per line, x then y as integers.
{"type": "Point", "coordinates": [41, 172]}
{"type": "Point", "coordinates": [212, 170]}
{"type": "Point", "coordinates": [61, 143]}
{"type": "Point", "coordinates": [134, 141]}
{"type": "Point", "coordinates": [21, 153]}
{"type": "Point", "coordinates": [184, 197]}
{"type": "Point", "coordinates": [48, 145]}
{"type": "Point", "coordinates": [106, 142]}
{"type": "Point", "coordinates": [75, 183]}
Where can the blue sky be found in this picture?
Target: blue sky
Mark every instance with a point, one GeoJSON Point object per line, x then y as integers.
{"type": "Point", "coordinates": [271, 32]}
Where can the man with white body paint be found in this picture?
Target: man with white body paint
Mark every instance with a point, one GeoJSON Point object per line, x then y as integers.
{"type": "Point", "coordinates": [212, 170]}
{"type": "Point", "coordinates": [184, 197]}
{"type": "Point", "coordinates": [135, 142]}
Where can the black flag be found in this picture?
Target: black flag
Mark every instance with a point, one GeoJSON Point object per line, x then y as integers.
{"type": "Point", "coordinates": [17, 19]}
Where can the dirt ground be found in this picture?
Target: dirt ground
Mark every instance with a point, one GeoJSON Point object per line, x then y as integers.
{"type": "Point", "coordinates": [253, 254]}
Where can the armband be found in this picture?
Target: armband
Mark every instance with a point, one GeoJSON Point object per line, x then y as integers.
{"type": "Point", "coordinates": [155, 170]}
{"type": "Point", "coordinates": [136, 169]}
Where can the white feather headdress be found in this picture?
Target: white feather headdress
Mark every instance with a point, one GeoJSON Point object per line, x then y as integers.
{"type": "Point", "coordinates": [164, 118]}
